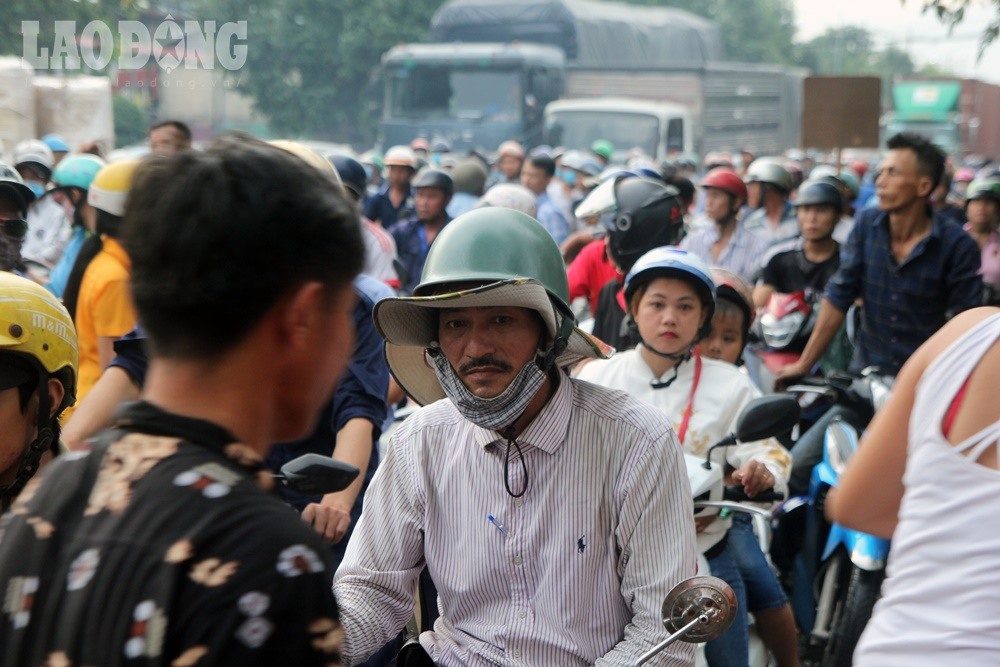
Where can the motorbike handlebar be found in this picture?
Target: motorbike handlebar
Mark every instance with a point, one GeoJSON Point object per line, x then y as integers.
{"type": "Point", "coordinates": [736, 494]}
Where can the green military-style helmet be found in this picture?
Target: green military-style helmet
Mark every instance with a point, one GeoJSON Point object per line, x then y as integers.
{"type": "Point", "coordinates": [506, 245]}
{"type": "Point", "coordinates": [487, 257]}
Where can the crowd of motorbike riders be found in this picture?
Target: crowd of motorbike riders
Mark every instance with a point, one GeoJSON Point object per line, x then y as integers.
{"type": "Point", "coordinates": [692, 285]}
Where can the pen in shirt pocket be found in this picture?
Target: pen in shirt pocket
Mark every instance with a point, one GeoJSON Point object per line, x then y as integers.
{"type": "Point", "coordinates": [499, 526]}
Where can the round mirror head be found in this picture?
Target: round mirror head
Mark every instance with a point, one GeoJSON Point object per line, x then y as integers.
{"type": "Point", "coordinates": [706, 596]}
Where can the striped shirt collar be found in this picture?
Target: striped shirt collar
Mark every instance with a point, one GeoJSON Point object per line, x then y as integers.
{"type": "Point", "coordinates": [547, 431]}
{"type": "Point", "coordinates": [739, 238]}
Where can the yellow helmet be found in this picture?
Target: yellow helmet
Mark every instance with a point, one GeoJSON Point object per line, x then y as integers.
{"type": "Point", "coordinates": [110, 187]}
{"type": "Point", "coordinates": [34, 324]}
{"type": "Point", "coordinates": [308, 155]}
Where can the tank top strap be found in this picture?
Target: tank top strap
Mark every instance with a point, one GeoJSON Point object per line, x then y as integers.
{"type": "Point", "coordinates": [978, 443]}
{"type": "Point", "coordinates": [945, 375]}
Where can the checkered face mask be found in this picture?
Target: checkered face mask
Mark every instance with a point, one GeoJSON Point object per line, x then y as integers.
{"type": "Point", "coordinates": [490, 413]}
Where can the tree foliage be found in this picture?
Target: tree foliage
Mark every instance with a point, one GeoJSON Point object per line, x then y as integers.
{"type": "Point", "coordinates": [312, 65]}
{"type": "Point", "coordinates": [952, 12]}
{"type": "Point", "coordinates": [761, 31]}
{"type": "Point", "coordinates": [130, 121]}
{"type": "Point", "coordinates": [47, 12]}
{"type": "Point", "coordinates": [851, 51]}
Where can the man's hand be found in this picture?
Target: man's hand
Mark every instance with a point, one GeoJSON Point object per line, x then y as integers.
{"type": "Point", "coordinates": [703, 522]}
{"type": "Point", "coordinates": [329, 517]}
{"type": "Point", "coordinates": [789, 375]}
{"type": "Point", "coordinates": [755, 477]}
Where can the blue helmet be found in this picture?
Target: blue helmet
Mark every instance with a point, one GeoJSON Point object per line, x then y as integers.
{"type": "Point", "coordinates": [672, 262]}
{"type": "Point", "coordinates": [352, 174]}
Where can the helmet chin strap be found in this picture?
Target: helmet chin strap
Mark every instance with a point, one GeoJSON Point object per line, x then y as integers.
{"type": "Point", "coordinates": [31, 460]}
{"type": "Point", "coordinates": [677, 357]}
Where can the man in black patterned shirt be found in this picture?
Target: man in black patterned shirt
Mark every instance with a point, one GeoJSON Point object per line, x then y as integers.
{"type": "Point", "coordinates": [162, 545]}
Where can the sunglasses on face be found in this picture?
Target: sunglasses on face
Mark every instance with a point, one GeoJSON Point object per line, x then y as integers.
{"type": "Point", "coordinates": [14, 227]}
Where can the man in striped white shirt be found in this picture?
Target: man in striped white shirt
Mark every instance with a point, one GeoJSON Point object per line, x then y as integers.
{"type": "Point", "coordinates": [553, 515]}
{"type": "Point", "coordinates": [727, 243]}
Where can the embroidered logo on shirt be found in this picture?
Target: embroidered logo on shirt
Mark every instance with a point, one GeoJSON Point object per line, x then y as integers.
{"type": "Point", "coordinates": [581, 545]}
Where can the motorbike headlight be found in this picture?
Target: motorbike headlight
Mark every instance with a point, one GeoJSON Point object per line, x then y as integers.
{"type": "Point", "coordinates": [840, 441]}
{"type": "Point", "coordinates": [778, 333]}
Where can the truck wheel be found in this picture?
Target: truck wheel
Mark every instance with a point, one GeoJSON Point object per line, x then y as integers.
{"type": "Point", "coordinates": [852, 617]}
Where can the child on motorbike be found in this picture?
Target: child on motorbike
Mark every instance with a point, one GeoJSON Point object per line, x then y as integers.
{"type": "Point", "coordinates": [731, 322]}
{"type": "Point", "coordinates": [670, 298]}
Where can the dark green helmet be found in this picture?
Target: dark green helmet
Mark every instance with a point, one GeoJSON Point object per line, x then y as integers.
{"type": "Point", "coordinates": [506, 245]}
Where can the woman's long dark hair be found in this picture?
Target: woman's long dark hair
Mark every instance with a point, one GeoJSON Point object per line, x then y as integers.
{"type": "Point", "coordinates": [106, 224]}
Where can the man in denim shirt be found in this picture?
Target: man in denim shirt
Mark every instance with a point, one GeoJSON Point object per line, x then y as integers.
{"type": "Point", "coordinates": [912, 269]}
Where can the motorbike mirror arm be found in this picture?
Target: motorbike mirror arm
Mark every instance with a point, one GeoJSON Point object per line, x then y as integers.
{"type": "Point", "coordinates": [728, 441]}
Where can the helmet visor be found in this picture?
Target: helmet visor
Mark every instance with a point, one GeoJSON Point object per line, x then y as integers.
{"type": "Point", "coordinates": [14, 372]}
{"type": "Point", "coordinates": [601, 200]}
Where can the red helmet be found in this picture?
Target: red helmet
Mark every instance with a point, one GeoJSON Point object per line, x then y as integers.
{"type": "Point", "coordinates": [725, 179]}
{"type": "Point", "coordinates": [730, 286]}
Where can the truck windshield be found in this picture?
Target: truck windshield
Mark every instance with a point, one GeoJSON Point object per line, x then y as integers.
{"type": "Point", "coordinates": [455, 93]}
{"type": "Point", "coordinates": [579, 129]}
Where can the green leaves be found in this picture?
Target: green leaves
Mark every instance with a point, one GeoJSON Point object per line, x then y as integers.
{"type": "Point", "coordinates": [313, 65]}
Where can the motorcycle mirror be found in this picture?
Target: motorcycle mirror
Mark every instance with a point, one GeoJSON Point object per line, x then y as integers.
{"type": "Point", "coordinates": [696, 597]}
{"type": "Point", "coordinates": [317, 475]}
{"type": "Point", "coordinates": [767, 417]}
{"type": "Point", "coordinates": [696, 610]}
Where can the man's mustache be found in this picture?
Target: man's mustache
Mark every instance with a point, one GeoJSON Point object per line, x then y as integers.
{"type": "Point", "coordinates": [484, 362]}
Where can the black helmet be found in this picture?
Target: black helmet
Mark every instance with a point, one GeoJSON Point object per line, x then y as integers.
{"type": "Point", "coordinates": [820, 192]}
{"type": "Point", "coordinates": [647, 214]}
{"type": "Point", "coordinates": [352, 174]}
{"type": "Point", "coordinates": [434, 178]}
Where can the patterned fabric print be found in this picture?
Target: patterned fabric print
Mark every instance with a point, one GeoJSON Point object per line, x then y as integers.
{"type": "Point", "coordinates": [328, 636]}
{"type": "Point", "coordinates": [248, 458]}
{"type": "Point", "coordinates": [194, 566]}
{"type": "Point", "coordinates": [126, 462]}
{"type": "Point", "coordinates": [149, 626]}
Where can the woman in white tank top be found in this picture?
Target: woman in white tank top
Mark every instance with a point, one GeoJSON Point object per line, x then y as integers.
{"type": "Point", "coordinates": [935, 490]}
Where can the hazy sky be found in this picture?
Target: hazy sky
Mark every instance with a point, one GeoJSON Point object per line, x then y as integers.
{"type": "Point", "coordinates": [923, 36]}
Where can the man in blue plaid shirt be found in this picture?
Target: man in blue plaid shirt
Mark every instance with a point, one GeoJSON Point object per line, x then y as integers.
{"type": "Point", "coordinates": [912, 269]}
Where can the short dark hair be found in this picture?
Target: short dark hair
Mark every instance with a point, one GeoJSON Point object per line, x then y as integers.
{"type": "Point", "coordinates": [930, 158]}
{"type": "Point", "coordinates": [685, 190]}
{"type": "Point", "coordinates": [216, 238]}
{"type": "Point", "coordinates": [543, 162]}
{"type": "Point", "coordinates": [176, 124]}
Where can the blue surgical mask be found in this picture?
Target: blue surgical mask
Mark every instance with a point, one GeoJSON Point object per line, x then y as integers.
{"type": "Point", "coordinates": [36, 187]}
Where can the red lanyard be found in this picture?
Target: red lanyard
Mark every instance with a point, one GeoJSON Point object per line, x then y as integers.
{"type": "Point", "coordinates": [682, 431]}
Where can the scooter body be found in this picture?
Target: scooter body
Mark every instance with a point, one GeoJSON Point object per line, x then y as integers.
{"type": "Point", "coordinates": [836, 572]}
{"type": "Point", "coordinates": [779, 336]}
